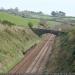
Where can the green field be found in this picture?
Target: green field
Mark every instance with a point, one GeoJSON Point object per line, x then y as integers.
{"type": "Point", "coordinates": [17, 20]}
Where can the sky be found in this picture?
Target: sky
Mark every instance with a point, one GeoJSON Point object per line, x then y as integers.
{"type": "Point", "coordinates": [46, 6]}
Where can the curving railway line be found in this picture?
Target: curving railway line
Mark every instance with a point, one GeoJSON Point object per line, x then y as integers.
{"type": "Point", "coordinates": [34, 60]}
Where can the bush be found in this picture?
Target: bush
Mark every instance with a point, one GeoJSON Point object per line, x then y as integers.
{"type": "Point", "coordinates": [30, 24]}
{"type": "Point", "coordinates": [71, 36]}
{"type": "Point", "coordinates": [7, 22]}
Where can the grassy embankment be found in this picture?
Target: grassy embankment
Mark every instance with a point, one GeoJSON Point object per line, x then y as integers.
{"type": "Point", "coordinates": [62, 58]}
{"type": "Point", "coordinates": [14, 40]}
{"type": "Point", "coordinates": [13, 43]}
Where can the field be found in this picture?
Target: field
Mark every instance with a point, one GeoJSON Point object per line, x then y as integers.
{"type": "Point", "coordinates": [17, 20]}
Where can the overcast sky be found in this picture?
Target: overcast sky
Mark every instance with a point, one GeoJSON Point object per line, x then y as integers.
{"type": "Point", "coordinates": [45, 6]}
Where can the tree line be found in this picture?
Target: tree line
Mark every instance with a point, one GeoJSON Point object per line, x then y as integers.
{"type": "Point", "coordinates": [58, 13]}
{"type": "Point", "coordinates": [32, 14]}
{"type": "Point", "coordinates": [24, 13]}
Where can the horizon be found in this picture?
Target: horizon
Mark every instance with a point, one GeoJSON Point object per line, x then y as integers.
{"type": "Point", "coordinates": [45, 6]}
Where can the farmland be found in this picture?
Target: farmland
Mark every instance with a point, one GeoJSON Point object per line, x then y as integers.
{"type": "Point", "coordinates": [17, 20]}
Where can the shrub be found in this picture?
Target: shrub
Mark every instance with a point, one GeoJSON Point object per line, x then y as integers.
{"type": "Point", "coordinates": [7, 22]}
{"type": "Point", "coordinates": [30, 24]}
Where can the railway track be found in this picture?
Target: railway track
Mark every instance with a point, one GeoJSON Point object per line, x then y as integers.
{"type": "Point", "coordinates": [35, 60]}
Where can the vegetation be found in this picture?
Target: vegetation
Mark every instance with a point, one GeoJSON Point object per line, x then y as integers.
{"type": "Point", "coordinates": [17, 20]}
{"type": "Point", "coordinates": [5, 22]}
{"type": "Point", "coordinates": [14, 41]}
{"type": "Point", "coordinates": [62, 58]}
{"type": "Point", "coordinates": [16, 38]}
{"type": "Point", "coordinates": [58, 14]}
{"type": "Point", "coordinates": [25, 13]}
{"type": "Point", "coordinates": [30, 24]}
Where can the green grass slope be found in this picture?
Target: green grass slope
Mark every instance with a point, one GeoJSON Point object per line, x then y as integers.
{"type": "Point", "coordinates": [13, 42]}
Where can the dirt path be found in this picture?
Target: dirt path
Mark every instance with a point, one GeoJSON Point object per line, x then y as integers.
{"type": "Point", "coordinates": [35, 59]}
